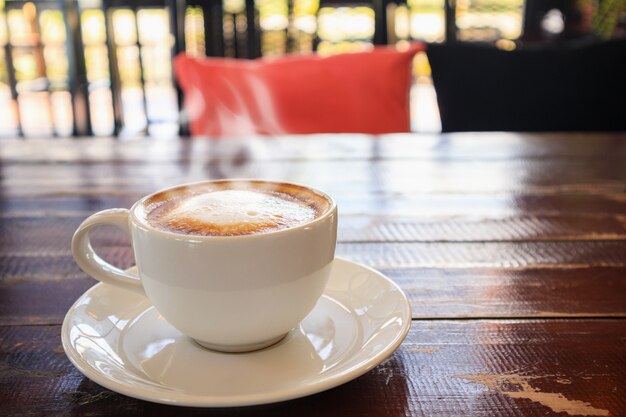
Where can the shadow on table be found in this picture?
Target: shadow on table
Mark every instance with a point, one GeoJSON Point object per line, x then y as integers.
{"type": "Point", "coordinates": [382, 391]}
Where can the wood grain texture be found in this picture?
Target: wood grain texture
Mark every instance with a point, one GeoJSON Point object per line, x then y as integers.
{"type": "Point", "coordinates": [433, 293]}
{"type": "Point", "coordinates": [444, 368]}
{"type": "Point", "coordinates": [511, 249]}
{"type": "Point", "coordinates": [458, 146]}
{"type": "Point", "coordinates": [567, 254]}
{"type": "Point", "coordinates": [50, 233]}
{"type": "Point", "coordinates": [511, 293]}
{"type": "Point", "coordinates": [482, 254]}
{"type": "Point", "coordinates": [32, 301]}
{"type": "Point", "coordinates": [335, 177]}
{"type": "Point", "coordinates": [585, 205]}
{"type": "Point", "coordinates": [369, 228]}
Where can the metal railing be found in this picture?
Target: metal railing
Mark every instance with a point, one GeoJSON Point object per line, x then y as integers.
{"type": "Point", "coordinates": [104, 67]}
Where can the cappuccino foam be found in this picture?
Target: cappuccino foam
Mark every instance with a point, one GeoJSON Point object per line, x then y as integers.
{"type": "Point", "coordinates": [233, 212]}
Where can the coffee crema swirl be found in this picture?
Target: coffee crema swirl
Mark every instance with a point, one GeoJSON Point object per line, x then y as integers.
{"type": "Point", "coordinates": [234, 208]}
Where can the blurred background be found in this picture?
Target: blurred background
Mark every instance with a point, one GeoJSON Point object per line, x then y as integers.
{"type": "Point", "coordinates": [102, 68]}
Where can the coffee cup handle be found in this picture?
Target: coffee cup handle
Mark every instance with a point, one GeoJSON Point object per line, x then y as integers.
{"type": "Point", "coordinates": [89, 261]}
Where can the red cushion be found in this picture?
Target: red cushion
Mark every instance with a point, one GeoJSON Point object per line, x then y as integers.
{"type": "Point", "coordinates": [364, 92]}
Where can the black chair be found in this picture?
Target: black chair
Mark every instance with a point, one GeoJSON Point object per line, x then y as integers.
{"type": "Point", "coordinates": [577, 86]}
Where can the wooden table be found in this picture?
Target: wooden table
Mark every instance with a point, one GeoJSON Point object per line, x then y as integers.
{"type": "Point", "coordinates": [510, 247]}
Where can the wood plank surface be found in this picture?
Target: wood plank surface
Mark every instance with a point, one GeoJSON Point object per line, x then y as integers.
{"type": "Point", "coordinates": [46, 232]}
{"type": "Point", "coordinates": [510, 247]}
{"type": "Point", "coordinates": [586, 204]}
{"type": "Point", "coordinates": [433, 293]}
{"type": "Point", "coordinates": [481, 146]}
{"type": "Point", "coordinates": [17, 261]}
{"type": "Point", "coordinates": [335, 177]}
{"type": "Point", "coordinates": [444, 368]}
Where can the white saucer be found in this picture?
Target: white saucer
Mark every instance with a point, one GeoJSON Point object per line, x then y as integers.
{"type": "Point", "coordinates": [119, 340]}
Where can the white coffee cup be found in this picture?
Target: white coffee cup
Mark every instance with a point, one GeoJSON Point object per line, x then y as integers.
{"type": "Point", "coordinates": [229, 293]}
